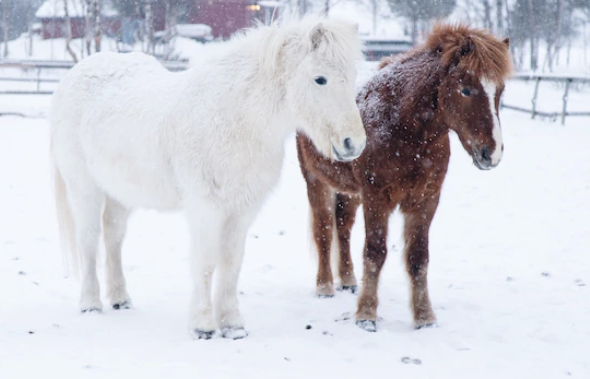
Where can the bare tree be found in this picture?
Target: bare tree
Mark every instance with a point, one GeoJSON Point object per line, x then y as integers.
{"type": "Point", "coordinates": [88, 29]}
{"type": "Point", "coordinates": [554, 36]}
{"type": "Point", "coordinates": [6, 9]}
{"type": "Point", "coordinates": [584, 7]}
{"type": "Point", "coordinates": [487, 14]}
{"type": "Point", "coordinates": [68, 27]}
{"type": "Point", "coordinates": [421, 10]}
{"type": "Point", "coordinates": [499, 17]}
{"type": "Point", "coordinates": [374, 13]}
{"type": "Point", "coordinates": [30, 21]}
{"type": "Point", "coordinates": [149, 28]}
{"type": "Point", "coordinates": [96, 10]}
{"type": "Point", "coordinates": [170, 25]}
{"type": "Point", "coordinates": [533, 39]}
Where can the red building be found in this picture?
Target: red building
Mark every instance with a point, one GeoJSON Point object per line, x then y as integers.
{"type": "Point", "coordinates": [51, 15]}
{"type": "Point", "coordinates": [225, 17]}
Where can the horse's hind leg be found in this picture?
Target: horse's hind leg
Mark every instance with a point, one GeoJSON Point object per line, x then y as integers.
{"type": "Point", "coordinates": [321, 201]}
{"type": "Point", "coordinates": [86, 202]}
{"type": "Point", "coordinates": [416, 227]}
{"type": "Point", "coordinates": [114, 221]}
{"type": "Point", "coordinates": [346, 207]}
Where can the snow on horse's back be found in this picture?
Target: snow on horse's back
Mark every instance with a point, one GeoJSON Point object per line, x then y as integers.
{"type": "Point", "coordinates": [126, 133]}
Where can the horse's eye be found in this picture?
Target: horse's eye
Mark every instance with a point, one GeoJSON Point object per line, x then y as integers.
{"type": "Point", "coordinates": [321, 80]}
{"type": "Point", "coordinates": [466, 92]}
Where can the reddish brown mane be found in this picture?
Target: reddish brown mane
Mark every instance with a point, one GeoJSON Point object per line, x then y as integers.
{"type": "Point", "coordinates": [488, 56]}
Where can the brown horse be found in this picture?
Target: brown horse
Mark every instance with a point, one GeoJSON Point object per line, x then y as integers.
{"type": "Point", "coordinates": [453, 82]}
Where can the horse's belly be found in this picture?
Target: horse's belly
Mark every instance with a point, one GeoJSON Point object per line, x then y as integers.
{"type": "Point", "coordinates": [137, 191]}
{"type": "Point", "coordinates": [133, 177]}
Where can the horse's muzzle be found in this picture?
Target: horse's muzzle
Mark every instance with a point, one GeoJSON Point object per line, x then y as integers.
{"type": "Point", "coordinates": [348, 150]}
{"type": "Point", "coordinates": [483, 159]}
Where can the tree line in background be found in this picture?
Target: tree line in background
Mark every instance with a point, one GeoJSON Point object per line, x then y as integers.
{"type": "Point", "coordinates": [526, 22]}
{"type": "Point", "coordinates": [16, 17]}
{"type": "Point", "coordinates": [530, 24]}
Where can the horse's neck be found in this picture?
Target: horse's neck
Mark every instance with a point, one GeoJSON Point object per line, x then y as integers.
{"type": "Point", "coordinates": [406, 89]}
{"type": "Point", "coordinates": [257, 101]}
{"type": "Point", "coordinates": [419, 104]}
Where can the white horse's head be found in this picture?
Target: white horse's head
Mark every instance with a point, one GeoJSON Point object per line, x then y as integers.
{"type": "Point", "coordinates": [315, 59]}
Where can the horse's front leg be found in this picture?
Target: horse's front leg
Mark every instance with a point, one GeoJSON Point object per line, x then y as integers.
{"type": "Point", "coordinates": [417, 220]}
{"type": "Point", "coordinates": [206, 227]}
{"type": "Point", "coordinates": [228, 271]}
{"type": "Point", "coordinates": [377, 208]}
{"type": "Point", "coordinates": [346, 207]}
{"type": "Point", "coordinates": [322, 203]}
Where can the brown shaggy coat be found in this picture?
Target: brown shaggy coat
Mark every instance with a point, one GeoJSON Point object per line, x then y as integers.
{"type": "Point", "coordinates": [408, 109]}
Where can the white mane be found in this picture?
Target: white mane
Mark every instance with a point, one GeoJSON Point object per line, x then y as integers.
{"type": "Point", "coordinates": [266, 41]}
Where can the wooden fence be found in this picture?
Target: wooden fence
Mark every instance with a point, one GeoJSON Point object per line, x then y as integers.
{"type": "Point", "coordinates": [567, 80]}
{"type": "Point", "coordinates": [37, 67]}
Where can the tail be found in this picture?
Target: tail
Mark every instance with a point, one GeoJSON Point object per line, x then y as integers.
{"type": "Point", "coordinates": [67, 227]}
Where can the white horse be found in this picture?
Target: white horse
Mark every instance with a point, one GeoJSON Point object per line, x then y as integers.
{"type": "Point", "coordinates": [128, 134]}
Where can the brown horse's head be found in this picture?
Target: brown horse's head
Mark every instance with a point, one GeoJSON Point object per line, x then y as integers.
{"type": "Point", "coordinates": [476, 64]}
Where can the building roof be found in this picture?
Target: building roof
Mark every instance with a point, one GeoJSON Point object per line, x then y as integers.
{"type": "Point", "coordinates": [76, 8]}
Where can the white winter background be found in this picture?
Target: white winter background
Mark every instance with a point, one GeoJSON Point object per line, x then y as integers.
{"type": "Point", "coordinates": [509, 273]}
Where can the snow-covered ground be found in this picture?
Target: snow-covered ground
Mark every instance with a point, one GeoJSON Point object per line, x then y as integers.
{"type": "Point", "coordinates": [509, 276]}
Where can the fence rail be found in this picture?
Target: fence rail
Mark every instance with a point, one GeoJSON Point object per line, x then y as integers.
{"type": "Point", "coordinates": [568, 80]}
{"type": "Point", "coordinates": [40, 66]}
{"type": "Point", "coordinates": [36, 64]}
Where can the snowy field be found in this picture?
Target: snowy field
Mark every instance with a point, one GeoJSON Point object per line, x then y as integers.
{"type": "Point", "coordinates": [509, 276]}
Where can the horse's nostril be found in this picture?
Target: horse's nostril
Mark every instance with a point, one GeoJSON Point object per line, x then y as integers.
{"type": "Point", "coordinates": [347, 143]}
{"type": "Point", "coordinates": [485, 153]}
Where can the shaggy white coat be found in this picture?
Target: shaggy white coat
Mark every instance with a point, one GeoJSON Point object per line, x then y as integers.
{"type": "Point", "coordinates": [128, 134]}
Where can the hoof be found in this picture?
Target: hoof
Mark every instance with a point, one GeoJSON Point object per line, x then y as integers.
{"type": "Point", "coordinates": [324, 291]}
{"type": "Point", "coordinates": [428, 325]}
{"type": "Point", "coordinates": [92, 311]}
{"type": "Point", "coordinates": [123, 305]}
{"type": "Point", "coordinates": [234, 333]}
{"type": "Point", "coordinates": [367, 325]}
{"type": "Point", "coordinates": [203, 335]}
{"type": "Point", "coordinates": [351, 289]}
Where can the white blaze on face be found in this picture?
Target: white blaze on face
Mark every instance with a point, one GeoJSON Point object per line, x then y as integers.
{"type": "Point", "coordinates": [490, 89]}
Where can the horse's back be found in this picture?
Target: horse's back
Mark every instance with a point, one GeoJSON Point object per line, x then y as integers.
{"type": "Point", "coordinates": [96, 80]}
{"type": "Point", "coordinates": [106, 126]}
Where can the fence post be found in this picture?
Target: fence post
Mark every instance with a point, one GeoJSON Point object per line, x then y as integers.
{"type": "Point", "coordinates": [38, 79]}
{"type": "Point", "coordinates": [564, 110]}
{"type": "Point", "coordinates": [534, 101]}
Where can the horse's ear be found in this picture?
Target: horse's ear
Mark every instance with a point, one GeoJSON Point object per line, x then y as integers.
{"type": "Point", "coordinates": [316, 35]}
{"type": "Point", "coordinates": [467, 46]}
{"type": "Point", "coordinates": [507, 42]}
